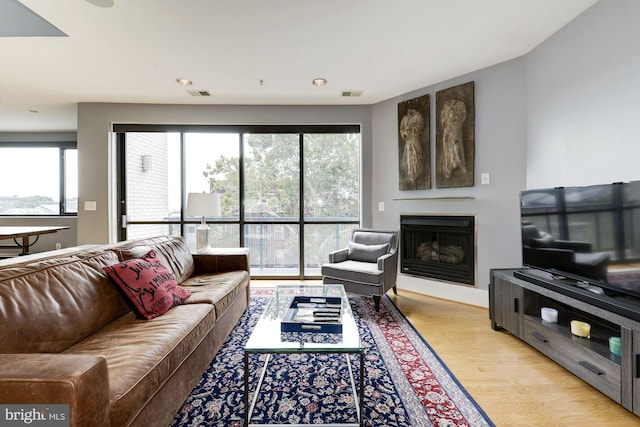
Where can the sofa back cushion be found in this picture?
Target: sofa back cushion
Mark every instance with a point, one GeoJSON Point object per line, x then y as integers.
{"type": "Point", "coordinates": [49, 305]}
{"type": "Point", "coordinates": [171, 250]}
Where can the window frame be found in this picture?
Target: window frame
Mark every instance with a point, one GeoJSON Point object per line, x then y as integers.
{"type": "Point", "coordinates": [62, 147]}
{"type": "Point", "coordinates": [242, 222]}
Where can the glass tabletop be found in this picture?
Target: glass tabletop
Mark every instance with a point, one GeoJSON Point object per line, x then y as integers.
{"type": "Point", "coordinates": [268, 337]}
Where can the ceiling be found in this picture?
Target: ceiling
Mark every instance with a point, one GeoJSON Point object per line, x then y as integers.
{"type": "Point", "coordinates": [254, 52]}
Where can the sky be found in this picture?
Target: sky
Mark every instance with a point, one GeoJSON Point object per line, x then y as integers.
{"type": "Point", "coordinates": [202, 148]}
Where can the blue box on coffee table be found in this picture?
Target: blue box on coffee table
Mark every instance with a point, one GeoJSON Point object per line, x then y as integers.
{"type": "Point", "coordinates": [313, 314]}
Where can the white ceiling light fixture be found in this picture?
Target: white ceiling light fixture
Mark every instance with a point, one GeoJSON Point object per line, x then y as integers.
{"type": "Point", "coordinates": [184, 82]}
{"type": "Point", "coordinates": [319, 82]}
{"type": "Point", "coordinates": [102, 3]}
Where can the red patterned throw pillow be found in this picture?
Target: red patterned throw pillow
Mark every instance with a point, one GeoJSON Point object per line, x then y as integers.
{"type": "Point", "coordinates": [150, 287]}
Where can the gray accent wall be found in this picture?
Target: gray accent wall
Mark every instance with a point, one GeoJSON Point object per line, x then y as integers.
{"type": "Point", "coordinates": [500, 152]}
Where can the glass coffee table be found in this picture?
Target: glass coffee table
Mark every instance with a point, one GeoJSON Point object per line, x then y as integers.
{"type": "Point", "coordinates": [267, 338]}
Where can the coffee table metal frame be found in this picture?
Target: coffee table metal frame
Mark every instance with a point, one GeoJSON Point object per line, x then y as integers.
{"type": "Point", "coordinates": [267, 338]}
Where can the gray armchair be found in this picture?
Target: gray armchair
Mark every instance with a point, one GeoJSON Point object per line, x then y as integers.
{"type": "Point", "coordinates": [369, 266]}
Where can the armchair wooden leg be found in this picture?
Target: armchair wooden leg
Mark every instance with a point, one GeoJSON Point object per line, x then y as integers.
{"type": "Point", "coordinates": [376, 302]}
{"type": "Point", "coordinates": [395, 290]}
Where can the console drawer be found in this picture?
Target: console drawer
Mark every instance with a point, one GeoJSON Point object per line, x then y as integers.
{"type": "Point", "coordinates": [599, 371]}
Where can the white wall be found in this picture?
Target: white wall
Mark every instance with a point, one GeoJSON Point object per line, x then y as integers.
{"type": "Point", "coordinates": [500, 151]}
{"type": "Point", "coordinates": [583, 106]}
{"type": "Point", "coordinates": [96, 148]}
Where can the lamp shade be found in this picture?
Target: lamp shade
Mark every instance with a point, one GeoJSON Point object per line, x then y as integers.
{"type": "Point", "coordinates": [203, 204]}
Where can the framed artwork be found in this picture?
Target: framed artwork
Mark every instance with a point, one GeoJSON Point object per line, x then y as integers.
{"type": "Point", "coordinates": [414, 154]}
{"type": "Point", "coordinates": [455, 136]}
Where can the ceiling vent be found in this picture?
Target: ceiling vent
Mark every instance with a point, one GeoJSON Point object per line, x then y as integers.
{"type": "Point", "coordinates": [199, 92]}
{"type": "Point", "coordinates": [352, 92]}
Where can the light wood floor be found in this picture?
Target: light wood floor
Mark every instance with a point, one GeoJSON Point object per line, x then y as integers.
{"type": "Point", "coordinates": [513, 383]}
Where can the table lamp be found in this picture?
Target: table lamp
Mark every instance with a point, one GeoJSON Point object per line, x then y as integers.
{"type": "Point", "coordinates": [203, 205]}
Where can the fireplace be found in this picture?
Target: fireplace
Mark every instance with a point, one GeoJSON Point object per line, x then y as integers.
{"type": "Point", "coordinates": [438, 247]}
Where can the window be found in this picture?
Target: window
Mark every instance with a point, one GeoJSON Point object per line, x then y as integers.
{"type": "Point", "coordinates": [39, 179]}
{"type": "Point", "coordinates": [289, 193]}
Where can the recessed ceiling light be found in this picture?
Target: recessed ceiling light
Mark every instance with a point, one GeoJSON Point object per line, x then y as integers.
{"type": "Point", "coordinates": [102, 3]}
{"type": "Point", "coordinates": [184, 82]}
{"type": "Point", "coordinates": [319, 82]}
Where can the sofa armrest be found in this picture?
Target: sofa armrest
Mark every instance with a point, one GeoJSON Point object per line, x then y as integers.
{"type": "Point", "coordinates": [80, 381]}
{"type": "Point", "coordinates": [339, 256]}
{"type": "Point", "coordinates": [221, 260]}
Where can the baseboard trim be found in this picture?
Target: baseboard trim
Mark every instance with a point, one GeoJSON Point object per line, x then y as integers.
{"type": "Point", "coordinates": [448, 291]}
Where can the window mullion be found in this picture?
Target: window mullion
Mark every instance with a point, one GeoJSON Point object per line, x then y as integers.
{"type": "Point", "coordinates": [62, 190]}
{"type": "Point", "coordinates": [241, 190]}
{"type": "Point", "coordinates": [301, 222]}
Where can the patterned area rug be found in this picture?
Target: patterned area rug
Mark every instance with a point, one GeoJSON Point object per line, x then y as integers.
{"type": "Point", "coordinates": [406, 383]}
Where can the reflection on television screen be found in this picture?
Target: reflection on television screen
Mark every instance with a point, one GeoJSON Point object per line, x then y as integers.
{"type": "Point", "coordinates": [591, 234]}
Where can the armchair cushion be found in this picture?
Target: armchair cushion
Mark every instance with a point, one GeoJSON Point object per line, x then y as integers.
{"type": "Point", "coordinates": [353, 271]}
{"type": "Point", "coordinates": [367, 253]}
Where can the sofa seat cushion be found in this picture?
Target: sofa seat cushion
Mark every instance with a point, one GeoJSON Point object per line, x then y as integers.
{"type": "Point", "coordinates": [142, 354]}
{"type": "Point", "coordinates": [356, 271]}
{"type": "Point", "coordinates": [220, 289]}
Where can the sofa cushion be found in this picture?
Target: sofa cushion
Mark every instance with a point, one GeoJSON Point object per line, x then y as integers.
{"type": "Point", "coordinates": [366, 253]}
{"type": "Point", "coordinates": [172, 250]}
{"type": "Point", "coordinates": [219, 289]}
{"type": "Point", "coordinates": [143, 354]}
{"type": "Point", "coordinates": [148, 285]}
{"type": "Point", "coordinates": [48, 305]}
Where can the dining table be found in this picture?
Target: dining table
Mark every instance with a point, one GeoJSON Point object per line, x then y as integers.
{"type": "Point", "coordinates": [22, 236]}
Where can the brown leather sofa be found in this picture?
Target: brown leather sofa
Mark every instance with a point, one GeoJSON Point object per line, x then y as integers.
{"type": "Point", "coordinates": [67, 336]}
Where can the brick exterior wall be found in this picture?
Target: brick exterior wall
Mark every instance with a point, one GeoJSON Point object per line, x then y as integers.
{"type": "Point", "coordinates": [147, 194]}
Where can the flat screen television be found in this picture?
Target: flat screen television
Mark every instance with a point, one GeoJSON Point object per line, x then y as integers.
{"type": "Point", "coordinates": [589, 235]}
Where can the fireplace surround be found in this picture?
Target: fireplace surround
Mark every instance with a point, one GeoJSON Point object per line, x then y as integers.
{"type": "Point", "coordinates": [439, 247]}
